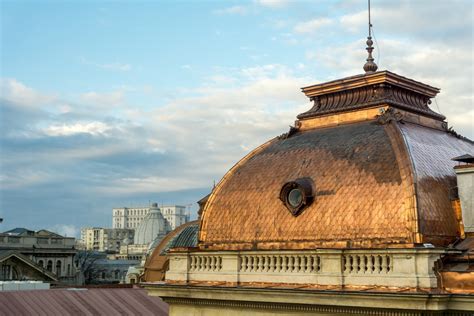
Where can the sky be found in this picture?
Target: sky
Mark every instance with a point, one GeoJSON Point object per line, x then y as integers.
{"type": "Point", "coordinates": [121, 103]}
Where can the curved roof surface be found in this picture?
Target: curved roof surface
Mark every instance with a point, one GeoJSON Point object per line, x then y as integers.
{"type": "Point", "coordinates": [153, 226]}
{"type": "Point", "coordinates": [376, 185]}
{"type": "Point", "coordinates": [185, 235]}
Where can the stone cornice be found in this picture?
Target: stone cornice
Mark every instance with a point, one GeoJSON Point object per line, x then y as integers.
{"type": "Point", "coordinates": [329, 301]}
{"type": "Point", "coordinates": [370, 90]}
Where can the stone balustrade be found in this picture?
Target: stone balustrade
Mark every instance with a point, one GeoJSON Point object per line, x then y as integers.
{"type": "Point", "coordinates": [387, 267]}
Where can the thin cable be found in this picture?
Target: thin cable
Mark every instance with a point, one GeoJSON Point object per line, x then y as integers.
{"type": "Point", "coordinates": [437, 106]}
{"type": "Point", "coordinates": [376, 45]}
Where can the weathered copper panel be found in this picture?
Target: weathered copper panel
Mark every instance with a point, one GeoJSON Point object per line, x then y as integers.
{"type": "Point", "coordinates": [431, 152]}
{"type": "Point", "coordinates": [362, 197]}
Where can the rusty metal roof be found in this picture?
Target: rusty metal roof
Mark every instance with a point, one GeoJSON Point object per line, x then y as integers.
{"type": "Point", "coordinates": [61, 302]}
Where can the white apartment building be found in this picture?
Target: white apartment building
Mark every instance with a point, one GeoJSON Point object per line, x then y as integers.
{"type": "Point", "coordinates": [105, 239]}
{"type": "Point", "coordinates": [131, 217]}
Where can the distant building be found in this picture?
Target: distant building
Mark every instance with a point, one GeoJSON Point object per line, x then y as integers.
{"type": "Point", "coordinates": [131, 217]}
{"type": "Point", "coordinates": [41, 255]}
{"type": "Point", "coordinates": [111, 271]}
{"type": "Point", "coordinates": [151, 230]}
{"type": "Point", "coordinates": [105, 239]}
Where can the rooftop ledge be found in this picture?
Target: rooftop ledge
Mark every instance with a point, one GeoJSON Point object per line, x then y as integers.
{"type": "Point", "coordinates": [375, 301]}
{"type": "Point", "coordinates": [363, 80]}
{"type": "Point", "coordinates": [363, 267]}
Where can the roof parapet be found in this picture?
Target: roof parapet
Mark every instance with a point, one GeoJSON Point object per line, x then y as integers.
{"type": "Point", "coordinates": [369, 90]}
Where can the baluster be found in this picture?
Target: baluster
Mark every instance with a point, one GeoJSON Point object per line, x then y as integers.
{"type": "Point", "coordinates": [358, 261]}
{"type": "Point", "coordinates": [351, 264]}
{"type": "Point", "coordinates": [384, 264]}
{"type": "Point", "coordinates": [285, 263]}
{"type": "Point", "coordinates": [389, 264]}
{"type": "Point", "coordinates": [366, 263]}
{"type": "Point", "coordinates": [379, 264]}
{"type": "Point", "coordinates": [318, 259]}
{"type": "Point", "coordinates": [372, 264]}
{"type": "Point", "coordinates": [290, 263]}
{"type": "Point", "coordinates": [272, 264]}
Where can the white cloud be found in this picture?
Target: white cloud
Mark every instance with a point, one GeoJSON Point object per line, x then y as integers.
{"type": "Point", "coordinates": [312, 25]}
{"type": "Point", "coordinates": [92, 128]}
{"type": "Point", "coordinates": [18, 93]}
{"type": "Point", "coordinates": [273, 3]}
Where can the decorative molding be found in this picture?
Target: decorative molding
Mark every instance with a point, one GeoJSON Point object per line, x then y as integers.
{"type": "Point", "coordinates": [369, 96]}
{"type": "Point", "coordinates": [252, 305]}
{"type": "Point", "coordinates": [388, 116]}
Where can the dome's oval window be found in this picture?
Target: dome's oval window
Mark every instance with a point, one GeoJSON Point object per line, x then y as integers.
{"type": "Point", "coordinates": [297, 195]}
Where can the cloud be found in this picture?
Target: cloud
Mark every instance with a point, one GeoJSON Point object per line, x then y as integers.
{"type": "Point", "coordinates": [93, 128]}
{"type": "Point", "coordinates": [312, 25]}
{"type": "Point", "coordinates": [403, 17]}
{"type": "Point", "coordinates": [18, 93]}
{"type": "Point", "coordinates": [273, 3]}
{"type": "Point", "coordinates": [237, 9]}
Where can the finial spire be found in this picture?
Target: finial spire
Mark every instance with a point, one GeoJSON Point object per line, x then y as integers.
{"type": "Point", "coordinates": [370, 66]}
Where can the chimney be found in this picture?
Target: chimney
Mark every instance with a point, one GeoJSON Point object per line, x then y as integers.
{"type": "Point", "coordinates": [465, 178]}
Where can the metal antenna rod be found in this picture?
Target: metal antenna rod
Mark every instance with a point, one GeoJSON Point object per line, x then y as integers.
{"type": "Point", "coordinates": [370, 66]}
{"type": "Point", "coordinates": [370, 24]}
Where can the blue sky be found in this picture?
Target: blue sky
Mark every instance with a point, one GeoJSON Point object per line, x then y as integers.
{"type": "Point", "coordinates": [107, 104]}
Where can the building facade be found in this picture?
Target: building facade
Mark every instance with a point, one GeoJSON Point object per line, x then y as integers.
{"type": "Point", "coordinates": [105, 239]}
{"type": "Point", "coordinates": [131, 217]}
{"type": "Point", "coordinates": [48, 251]}
{"type": "Point", "coordinates": [355, 210]}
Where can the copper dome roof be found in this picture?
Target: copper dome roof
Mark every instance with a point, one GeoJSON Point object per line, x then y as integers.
{"type": "Point", "coordinates": [379, 161]}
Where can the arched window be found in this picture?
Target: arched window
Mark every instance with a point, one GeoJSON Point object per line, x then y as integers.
{"type": "Point", "coordinates": [58, 268]}
{"type": "Point", "coordinates": [117, 274]}
{"type": "Point", "coordinates": [103, 275]}
{"type": "Point", "coordinates": [69, 269]}
{"type": "Point", "coordinates": [41, 263]}
{"type": "Point", "coordinates": [49, 267]}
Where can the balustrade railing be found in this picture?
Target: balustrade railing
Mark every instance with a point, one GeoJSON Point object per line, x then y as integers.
{"type": "Point", "coordinates": [363, 264]}
{"type": "Point", "coordinates": [280, 263]}
{"type": "Point", "coordinates": [205, 263]}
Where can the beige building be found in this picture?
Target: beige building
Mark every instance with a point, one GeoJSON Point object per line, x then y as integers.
{"type": "Point", "coordinates": [50, 254]}
{"type": "Point", "coordinates": [358, 209]}
{"type": "Point", "coordinates": [105, 239]}
{"type": "Point", "coordinates": [131, 217]}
